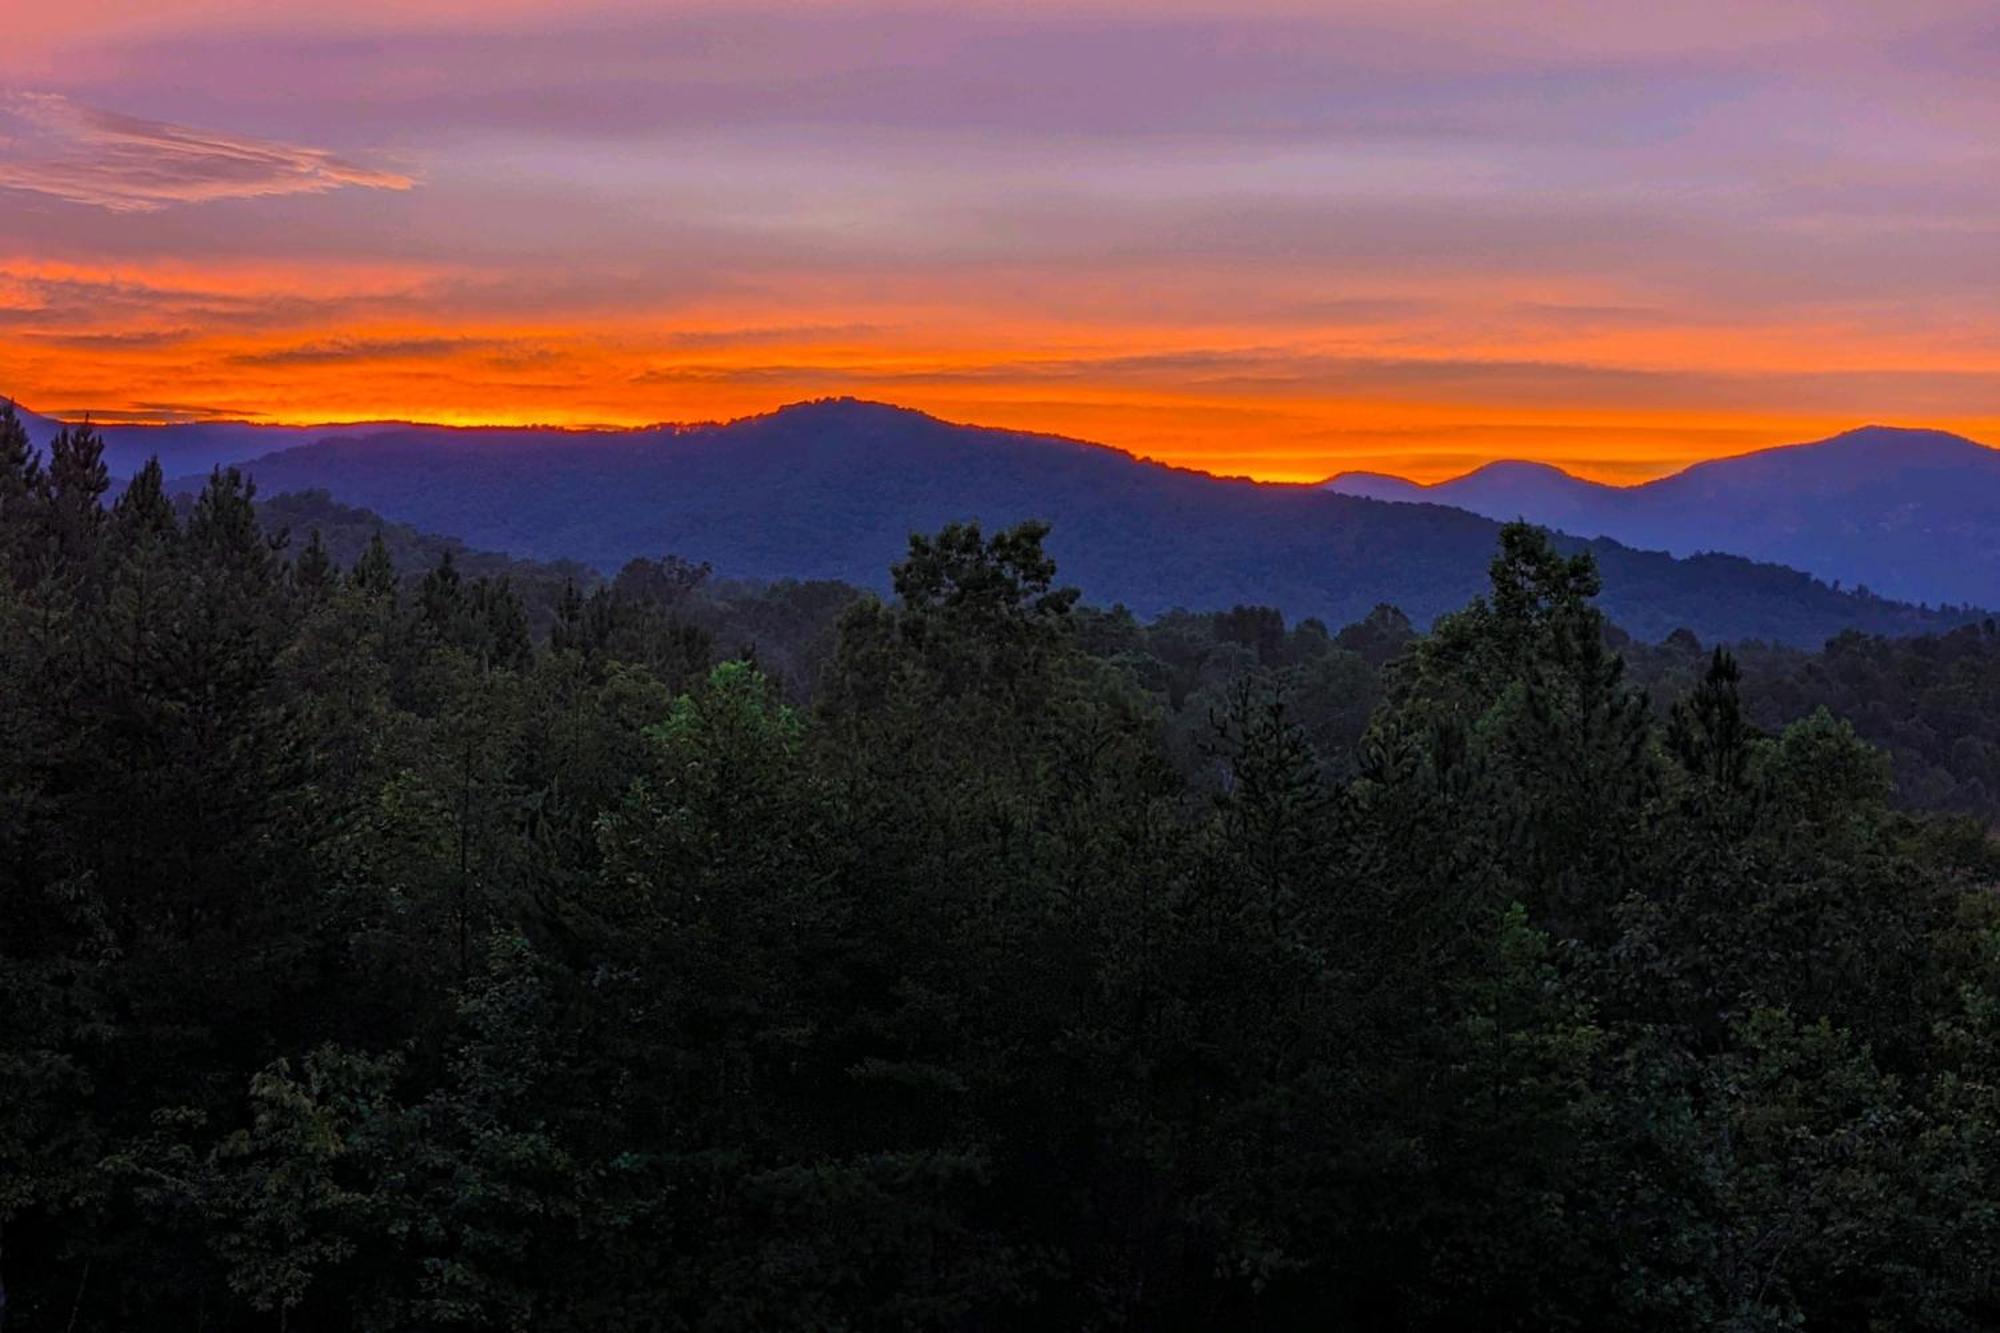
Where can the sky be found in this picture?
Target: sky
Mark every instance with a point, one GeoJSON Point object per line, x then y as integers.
{"type": "Point", "coordinates": [1259, 237]}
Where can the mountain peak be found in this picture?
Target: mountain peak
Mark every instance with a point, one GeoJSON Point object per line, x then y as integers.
{"type": "Point", "coordinates": [1864, 455]}
{"type": "Point", "coordinates": [1518, 468]}
{"type": "Point", "coordinates": [846, 411]}
{"type": "Point", "coordinates": [1505, 472]}
{"type": "Point", "coordinates": [1505, 488]}
{"type": "Point", "coordinates": [1908, 443]}
{"type": "Point", "coordinates": [1877, 433]}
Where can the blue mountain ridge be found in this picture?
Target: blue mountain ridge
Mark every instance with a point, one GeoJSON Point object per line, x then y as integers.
{"type": "Point", "coordinates": [833, 489]}
{"type": "Point", "coordinates": [1911, 514]}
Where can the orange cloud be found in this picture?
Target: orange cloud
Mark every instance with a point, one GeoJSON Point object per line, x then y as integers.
{"type": "Point", "coordinates": [1275, 237]}
{"type": "Point", "coordinates": [1265, 409]}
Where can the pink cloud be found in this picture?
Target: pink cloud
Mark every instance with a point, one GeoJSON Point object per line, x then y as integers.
{"type": "Point", "coordinates": [54, 146]}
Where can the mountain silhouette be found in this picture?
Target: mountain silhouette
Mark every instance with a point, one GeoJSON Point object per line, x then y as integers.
{"type": "Point", "coordinates": [1912, 514]}
{"type": "Point", "coordinates": [833, 489]}
{"type": "Point", "coordinates": [186, 448]}
{"type": "Point", "coordinates": [41, 429]}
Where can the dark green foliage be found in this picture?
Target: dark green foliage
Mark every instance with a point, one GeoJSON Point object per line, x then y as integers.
{"type": "Point", "coordinates": [394, 937]}
{"type": "Point", "coordinates": [76, 481]}
{"type": "Point", "coordinates": [1932, 703]}
{"type": "Point", "coordinates": [1707, 731]}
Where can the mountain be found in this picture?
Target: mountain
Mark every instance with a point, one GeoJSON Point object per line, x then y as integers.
{"type": "Point", "coordinates": [1910, 514]}
{"type": "Point", "coordinates": [346, 531]}
{"type": "Point", "coordinates": [195, 447]}
{"type": "Point", "coordinates": [1913, 514]}
{"type": "Point", "coordinates": [1503, 490]}
{"type": "Point", "coordinates": [833, 489]}
{"type": "Point", "coordinates": [189, 447]}
{"type": "Point", "coordinates": [40, 429]}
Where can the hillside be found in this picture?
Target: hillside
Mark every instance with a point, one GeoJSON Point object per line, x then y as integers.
{"type": "Point", "coordinates": [41, 429]}
{"type": "Point", "coordinates": [195, 447]}
{"type": "Point", "coordinates": [1930, 702]}
{"type": "Point", "coordinates": [1911, 514]}
{"type": "Point", "coordinates": [832, 490]}
{"type": "Point", "coordinates": [188, 448]}
{"type": "Point", "coordinates": [346, 531]}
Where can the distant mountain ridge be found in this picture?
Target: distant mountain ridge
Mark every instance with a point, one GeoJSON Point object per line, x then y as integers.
{"type": "Point", "coordinates": [41, 429]}
{"type": "Point", "coordinates": [1912, 514]}
{"type": "Point", "coordinates": [833, 489]}
{"type": "Point", "coordinates": [188, 447]}
{"type": "Point", "coordinates": [191, 447]}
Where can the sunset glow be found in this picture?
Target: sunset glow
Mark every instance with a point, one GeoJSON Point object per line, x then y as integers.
{"type": "Point", "coordinates": [1262, 238]}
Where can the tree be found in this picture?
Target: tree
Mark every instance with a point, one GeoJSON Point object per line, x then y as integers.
{"type": "Point", "coordinates": [374, 573]}
{"type": "Point", "coordinates": [22, 496]}
{"type": "Point", "coordinates": [313, 572]}
{"type": "Point", "coordinates": [369, 962]}
{"type": "Point", "coordinates": [1707, 732]}
{"type": "Point", "coordinates": [77, 481]}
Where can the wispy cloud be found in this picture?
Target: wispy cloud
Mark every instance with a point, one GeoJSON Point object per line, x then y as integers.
{"type": "Point", "coordinates": [1283, 236]}
{"type": "Point", "coordinates": [337, 351]}
{"type": "Point", "coordinates": [95, 342]}
{"type": "Point", "coordinates": [149, 414]}
{"type": "Point", "coordinates": [54, 146]}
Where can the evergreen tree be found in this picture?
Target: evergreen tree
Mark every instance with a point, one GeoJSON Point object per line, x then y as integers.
{"type": "Point", "coordinates": [375, 573]}
{"type": "Point", "coordinates": [492, 958]}
{"type": "Point", "coordinates": [313, 571]}
{"type": "Point", "coordinates": [22, 495]}
{"type": "Point", "coordinates": [143, 513]}
{"type": "Point", "coordinates": [77, 481]}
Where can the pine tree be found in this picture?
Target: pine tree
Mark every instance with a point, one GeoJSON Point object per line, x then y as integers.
{"type": "Point", "coordinates": [375, 573]}
{"type": "Point", "coordinates": [440, 598]}
{"type": "Point", "coordinates": [77, 481]}
{"type": "Point", "coordinates": [313, 573]}
{"type": "Point", "coordinates": [1707, 732]}
{"type": "Point", "coordinates": [143, 514]}
{"type": "Point", "coordinates": [567, 635]}
{"type": "Point", "coordinates": [500, 624]}
{"type": "Point", "coordinates": [22, 494]}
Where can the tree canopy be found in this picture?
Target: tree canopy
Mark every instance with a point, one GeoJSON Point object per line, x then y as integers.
{"type": "Point", "coordinates": [378, 952]}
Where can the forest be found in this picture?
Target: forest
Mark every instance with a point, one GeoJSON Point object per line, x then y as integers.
{"type": "Point", "coordinates": [439, 944]}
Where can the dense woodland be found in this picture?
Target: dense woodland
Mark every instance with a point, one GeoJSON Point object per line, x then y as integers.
{"type": "Point", "coordinates": [418, 949]}
{"type": "Point", "coordinates": [1932, 701]}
